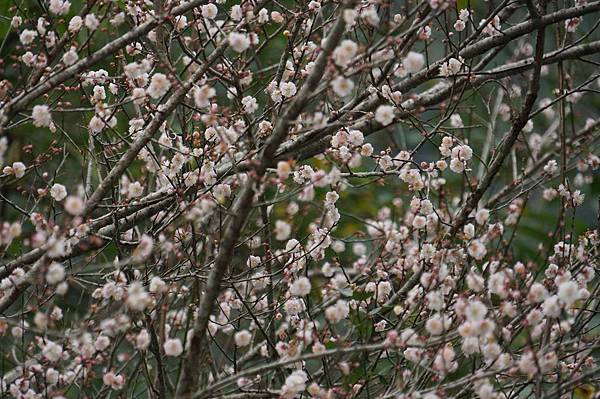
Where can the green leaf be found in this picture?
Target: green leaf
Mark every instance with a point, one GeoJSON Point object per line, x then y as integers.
{"type": "Point", "coordinates": [585, 391]}
{"type": "Point", "coordinates": [355, 376]}
{"type": "Point", "coordinates": [363, 324]}
{"type": "Point", "coordinates": [361, 295]}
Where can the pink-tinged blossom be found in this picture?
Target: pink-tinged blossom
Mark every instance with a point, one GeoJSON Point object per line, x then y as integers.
{"type": "Point", "coordinates": [114, 381]}
{"type": "Point", "coordinates": [159, 85]}
{"type": "Point", "coordinates": [413, 62]}
{"type": "Point", "coordinates": [17, 169]}
{"type": "Point", "coordinates": [27, 36]}
{"type": "Point", "coordinates": [173, 347]}
{"type": "Point", "coordinates": [300, 287]}
{"type": "Point", "coordinates": [239, 41]}
{"type": "Point", "coordinates": [242, 338]}
{"type": "Point", "coordinates": [59, 7]}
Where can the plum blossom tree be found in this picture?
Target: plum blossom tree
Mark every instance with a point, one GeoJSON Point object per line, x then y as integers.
{"type": "Point", "coordinates": [328, 199]}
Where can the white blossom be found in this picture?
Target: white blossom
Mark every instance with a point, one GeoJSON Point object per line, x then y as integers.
{"type": "Point", "coordinates": [300, 287]}
{"type": "Point", "coordinates": [41, 116]}
{"type": "Point", "coordinates": [242, 338]}
{"type": "Point", "coordinates": [413, 62]}
{"type": "Point", "coordinates": [385, 114]}
{"type": "Point", "coordinates": [27, 36]}
{"type": "Point", "coordinates": [173, 347]}
{"type": "Point", "coordinates": [238, 41]}
{"type": "Point", "coordinates": [159, 85]}
{"type": "Point", "coordinates": [342, 86]}
{"type": "Point", "coordinates": [56, 273]}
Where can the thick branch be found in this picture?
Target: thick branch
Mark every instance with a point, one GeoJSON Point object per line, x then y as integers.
{"type": "Point", "coordinates": [509, 141]}
{"type": "Point", "coordinates": [199, 351]}
{"type": "Point", "coordinates": [20, 102]}
{"type": "Point", "coordinates": [162, 114]}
